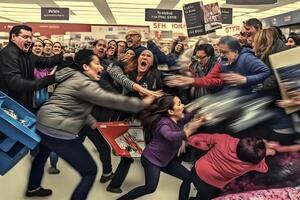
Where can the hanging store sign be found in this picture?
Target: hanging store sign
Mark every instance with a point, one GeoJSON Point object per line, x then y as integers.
{"type": "Point", "coordinates": [55, 13]}
{"type": "Point", "coordinates": [163, 15]}
{"type": "Point", "coordinates": [194, 18]}
{"type": "Point", "coordinates": [226, 14]}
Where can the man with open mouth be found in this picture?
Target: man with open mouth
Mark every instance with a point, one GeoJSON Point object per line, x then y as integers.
{"type": "Point", "coordinates": [133, 39]}
{"type": "Point", "coordinates": [17, 76]}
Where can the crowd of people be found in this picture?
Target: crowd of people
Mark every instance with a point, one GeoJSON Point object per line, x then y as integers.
{"type": "Point", "coordinates": [70, 91]}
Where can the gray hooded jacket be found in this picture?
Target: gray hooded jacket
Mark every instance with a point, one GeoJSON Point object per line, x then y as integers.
{"type": "Point", "coordinates": [68, 109]}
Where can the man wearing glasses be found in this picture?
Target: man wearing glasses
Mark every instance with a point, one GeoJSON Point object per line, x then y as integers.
{"type": "Point", "coordinates": [17, 64]}
{"type": "Point", "coordinates": [133, 39]}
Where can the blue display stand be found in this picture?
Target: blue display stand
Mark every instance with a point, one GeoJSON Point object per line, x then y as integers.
{"type": "Point", "coordinates": [15, 138]}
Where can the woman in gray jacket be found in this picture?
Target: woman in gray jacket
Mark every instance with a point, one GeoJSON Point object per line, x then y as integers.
{"type": "Point", "coordinates": [60, 119]}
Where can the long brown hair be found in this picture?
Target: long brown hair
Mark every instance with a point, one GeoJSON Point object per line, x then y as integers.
{"type": "Point", "coordinates": [263, 42]}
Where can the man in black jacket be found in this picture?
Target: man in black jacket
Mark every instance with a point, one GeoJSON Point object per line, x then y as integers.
{"type": "Point", "coordinates": [17, 65]}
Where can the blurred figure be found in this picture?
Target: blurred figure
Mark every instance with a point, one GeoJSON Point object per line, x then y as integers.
{"type": "Point", "coordinates": [48, 44]}
{"type": "Point", "coordinates": [293, 40]}
{"type": "Point", "coordinates": [38, 47]}
{"type": "Point", "coordinates": [57, 48]}
{"type": "Point", "coordinates": [252, 26]}
{"type": "Point", "coordinates": [99, 48]}
{"type": "Point", "coordinates": [122, 46]}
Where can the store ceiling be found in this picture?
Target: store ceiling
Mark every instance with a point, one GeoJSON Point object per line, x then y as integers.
{"type": "Point", "coordinates": [130, 12]}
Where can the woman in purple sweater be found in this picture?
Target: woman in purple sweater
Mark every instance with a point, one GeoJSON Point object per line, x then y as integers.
{"type": "Point", "coordinates": [168, 127]}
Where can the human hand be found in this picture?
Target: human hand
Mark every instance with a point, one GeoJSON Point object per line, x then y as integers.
{"type": "Point", "coordinates": [193, 125]}
{"type": "Point", "coordinates": [53, 70]}
{"type": "Point", "coordinates": [182, 148]}
{"type": "Point", "coordinates": [233, 78]}
{"type": "Point", "coordinates": [173, 81]}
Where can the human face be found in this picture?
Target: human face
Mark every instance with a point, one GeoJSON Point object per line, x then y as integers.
{"type": "Point", "coordinates": [56, 48]}
{"type": "Point", "coordinates": [100, 48]}
{"type": "Point", "coordinates": [37, 48]}
{"type": "Point", "coordinates": [177, 111]}
{"type": "Point", "coordinates": [113, 45]}
{"type": "Point", "coordinates": [250, 30]}
{"type": "Point", "coordinates": [110, 52]}
{"type": "Point", "coordinates": [179, 47]}
{"type": "Point", "coordinates": [133, 39]}
{"type": "Point", "coordinates": [145, 61]}
{"type": "Point", "coordinates": [128, 55]}
{"type": "Point", "coordinates": [48, 47]}
{"type": "Point", "coordinates": [23, 40]}
{"type": "Point", "coordinates": [228, 55]}
{"type": "Point", "coordinates": [121, 47]}
{"type": "Point", "coordinates": [290, 42]}
{"type": "Point", "coordinates": [202, 57]}
{"type": "Point", "coordinates": [93, 69]}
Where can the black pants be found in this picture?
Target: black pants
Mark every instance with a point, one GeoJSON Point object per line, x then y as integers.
{"type": "Point", "coordinates": [152, 174]}
{"type": "Point", "coordinates": [75, 154]}
{"type": "Point", "coordinates": [121, 172]}
{"type": "Point", "coordinates": [101, 145]}
{"type": "Point", "coordinates": [204, 190]}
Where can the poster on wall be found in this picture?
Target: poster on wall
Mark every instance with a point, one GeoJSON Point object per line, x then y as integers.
{"type": "Point", "coordinates": [212, 17]}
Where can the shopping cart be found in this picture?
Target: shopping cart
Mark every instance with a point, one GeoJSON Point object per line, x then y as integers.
{"type": "Point", "coordinates": [125, 138]}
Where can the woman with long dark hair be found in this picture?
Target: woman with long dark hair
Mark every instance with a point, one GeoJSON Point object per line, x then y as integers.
{"type": "Point", "coordinates": [168, 126]}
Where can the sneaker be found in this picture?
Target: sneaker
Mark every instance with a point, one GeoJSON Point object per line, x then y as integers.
{"type": "Point", "coordinates": [114, 190]}
{"type": "Point", "coordinates": [53, 170]}
{"type": "Point", "coordinates": [104, 179]}
{"type": "Point", "coordinates": [40, 192]}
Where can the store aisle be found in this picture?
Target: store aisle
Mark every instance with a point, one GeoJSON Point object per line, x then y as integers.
{"type": "Point", "coordinates": [13, 184]}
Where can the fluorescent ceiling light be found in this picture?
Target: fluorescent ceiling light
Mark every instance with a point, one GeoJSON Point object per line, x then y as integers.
{"type": "Point", "coordinates": [116, 10]}
{"type": "Point", "coordinates": [74, 3]}
{"type": "Point", "coordinates": [22, 10]}
{"type": "Point", "coordinates": [19, 5]}
{"type": "Point", "coordinates": [86, 13]}
{"type": "Point", "coordinates": [126, 6]}
{"type": "Point", "coordinates": [134, 1]}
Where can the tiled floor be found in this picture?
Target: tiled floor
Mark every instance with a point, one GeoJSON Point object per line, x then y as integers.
{"type": "Point", "coordinates": [13, 184]}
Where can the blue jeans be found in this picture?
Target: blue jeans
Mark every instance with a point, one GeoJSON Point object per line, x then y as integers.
{"type": "Point", "coordinates": [53, 160]}
{"type": "Point", "coordinates": [101, 145]}
{"type": "Point", "coordinates": [74, 153]}
{"type": "Point", "coordinates": [121, 172]}
{"type": "Point", "coordinates": [152, 174]}
{"type": "Point", "coordinates": [204, 190]}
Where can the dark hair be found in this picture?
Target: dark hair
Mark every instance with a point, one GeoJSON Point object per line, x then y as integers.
{"type": "Point", "coordinates": [232, 43]}
{"type": "Point", "coordinates": [174, 44]}
{"type": "Point", "coordinates": [279, 32]}
{"type": "Point", "coordinates": [207, 48]}
{"type": "Point", "coordinates": [84, 56]}
{"type": "Point", "coordinates": [96, 41]}
{"type": "Point", "coordinates": [251, 149]}
{"type": "Point", "coordinates": [58, 43]}
{"type": "Point", "coordinates": [112, 41]}
{"type": "Point", "coordinates": [158, 109]}
{"type": "Point", "coordinates": [17, 30]}
{"type": "Point", "coordinates": [296, 38]}
{"type": "Point", "coordinates": [47, 40]}
{"type": "Point", "coordinates": [254, 22]}
{"type": "Point", "coordinates": [123, 42]}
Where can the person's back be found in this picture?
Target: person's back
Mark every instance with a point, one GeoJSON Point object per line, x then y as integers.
{"type": "Point", "coordinates": [224, 162]}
